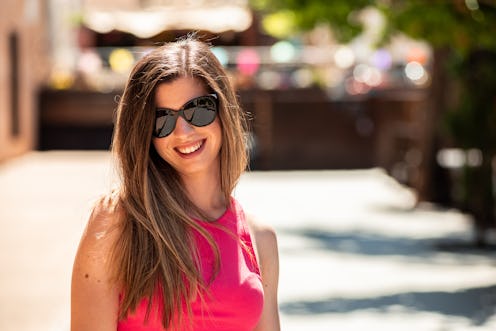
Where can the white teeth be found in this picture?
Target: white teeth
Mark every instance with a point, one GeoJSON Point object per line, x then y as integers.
{"type": "Point", "coordinates": [191, 149]}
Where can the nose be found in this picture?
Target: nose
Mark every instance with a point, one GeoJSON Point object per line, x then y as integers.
{"type": "Point", "coordinates": [183, 128]}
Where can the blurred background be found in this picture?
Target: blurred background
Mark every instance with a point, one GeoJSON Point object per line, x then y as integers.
{"type": "Point", "coordinates": [375, 119]}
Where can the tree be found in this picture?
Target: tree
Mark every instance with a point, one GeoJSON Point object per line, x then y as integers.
{"type": "Point", "coordinates": [461, 33]}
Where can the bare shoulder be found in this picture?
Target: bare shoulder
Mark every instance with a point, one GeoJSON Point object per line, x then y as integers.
{"type": "Point", "coordinates": [260, 229]}
{"type": "Point", "coordinates": [264, 236]}
{"type": "Point", "coordinates": [99, 237]}
{"type": "Point", "coordinates": [94, 294]}
{"type": "Point", "coordinates": [265, 240]}
{"type": "Point", "coordinates": [103, 224]}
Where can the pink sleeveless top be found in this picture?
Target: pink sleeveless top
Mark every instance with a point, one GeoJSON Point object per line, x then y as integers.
{"type": "Point", "coordinates": [235, 298]}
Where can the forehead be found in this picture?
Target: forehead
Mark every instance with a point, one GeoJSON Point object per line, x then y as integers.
{"type": "Point", "coordinates": [177, 92]}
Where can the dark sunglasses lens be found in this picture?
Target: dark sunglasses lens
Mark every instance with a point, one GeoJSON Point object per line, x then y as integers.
{"type": "Point", "coordinates": [200, 116]}
{"type": "Point", "coordinates": [164, 125]}
{"type": "Point", "coordinates": [204, 111]}
{"type": "Point", "coordinates": [198, 112]}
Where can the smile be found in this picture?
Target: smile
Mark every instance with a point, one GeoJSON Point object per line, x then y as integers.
{"type": "Point", "coordinates": [190, 149]}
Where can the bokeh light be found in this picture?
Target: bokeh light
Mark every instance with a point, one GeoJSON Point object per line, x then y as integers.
{"type": "Point", "coordinates": [382, 59]}
{"type": "Point", "coordinates": [472, 4]}
{"type": "Point", "coordinates": [303, 78]}
{"type": "Point", "coordinates": [354, 87]}
{"type": "Point", "coordinates": [121, 60]}
{"type": "Point", "coordinates": [269, 79]}
{"type": "Point", "coordinates": [417, 54]}
{"type": "Point", "coordinates": [61, 79]}
{"type": "Point", "coordinates": [364, 73]}
{"type": "Point", "coordinates": [248, 61]}
{"type": "Point", "coordinates": [280, 24]}
{"type": "Point", "coordinates": [221, 55]}
{"type": "Point", "coordinates": [89, 62]}
{"type": "Point", "coordinates": [283, 52]}
{"type": "Point", "coordinates": [416, 72]}
{"type": "Point", "coordinates": [344, 57]}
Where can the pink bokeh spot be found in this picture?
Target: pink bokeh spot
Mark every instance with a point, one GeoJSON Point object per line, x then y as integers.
{"type": "Point", "coordinates": [248, 61]}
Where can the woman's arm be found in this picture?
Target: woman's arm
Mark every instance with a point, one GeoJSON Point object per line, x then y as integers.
{"type": "Point", "coordinates": [268, 257]}
{"type": "Point", "coordinates": [94, 299]}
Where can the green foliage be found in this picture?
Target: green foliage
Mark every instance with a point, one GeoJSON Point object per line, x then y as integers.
{"type": "Point", "coordinates": [450, 24]}
{"type": "Point", "coordinates": [473, 122]}
{"type": "Point", "coordinates": [280, 24]}
{"type": "Point", "coordinates": [308, 13]}
{"type": "Point", "coordinates": [462, 25]}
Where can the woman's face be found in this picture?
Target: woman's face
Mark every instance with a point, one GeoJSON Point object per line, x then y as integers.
{"type": "Point", "coordinates": [189, 149]}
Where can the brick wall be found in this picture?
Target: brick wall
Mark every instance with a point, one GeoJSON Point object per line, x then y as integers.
{"type": "Point", "coordinates": [23, 64]}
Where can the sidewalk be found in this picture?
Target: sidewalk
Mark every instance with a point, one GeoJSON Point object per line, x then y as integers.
{"type": "Point", "coordinates": [354, 253]}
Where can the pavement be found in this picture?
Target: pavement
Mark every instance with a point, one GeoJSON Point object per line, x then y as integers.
{"type": "Point", "coordinates": [356, 252]}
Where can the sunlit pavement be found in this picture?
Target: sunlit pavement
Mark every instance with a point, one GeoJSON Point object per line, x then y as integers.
{"type": "Point", "coordinates": [354, 252]}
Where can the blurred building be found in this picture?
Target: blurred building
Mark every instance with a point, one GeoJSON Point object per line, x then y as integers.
{"type": "Point", "coordinates": [316, 104]}
{"type": "Point", "coordinates": [23, 65]}
{"type": "Point", "coordinates": [147, 18]}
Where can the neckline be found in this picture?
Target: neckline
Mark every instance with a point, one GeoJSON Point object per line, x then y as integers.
{"type": "Point", "coordinates": [221, 217]}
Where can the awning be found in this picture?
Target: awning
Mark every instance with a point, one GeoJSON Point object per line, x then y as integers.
{"type": "Point", "coordinates": [144, 22]}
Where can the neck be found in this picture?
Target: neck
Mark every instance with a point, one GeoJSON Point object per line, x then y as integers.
{"type": "Point", "coordinates": [205, 192]}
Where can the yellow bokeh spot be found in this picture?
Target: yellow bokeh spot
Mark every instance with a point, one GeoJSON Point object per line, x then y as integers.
{"type": "Point", "coordinates": [121, 60]}
{"type": "Point", "coordinates": [61, 79]}
{"type": "Point", "coordinates": [280, 24]}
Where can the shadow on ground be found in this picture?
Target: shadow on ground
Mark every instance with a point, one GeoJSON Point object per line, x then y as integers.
{"type": "Point", "coordinates": [361, 242]}
{"type": "Point", "coordinates": [475, 304]}
{"type": "Point", "coordinates": [373, 244]}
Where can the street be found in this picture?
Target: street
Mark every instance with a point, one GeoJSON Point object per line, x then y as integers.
{"type": "Point", "coordinates": [356, 253]}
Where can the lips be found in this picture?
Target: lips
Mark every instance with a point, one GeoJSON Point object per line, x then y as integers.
{"type": "Point", "coordinates": [190, 148]}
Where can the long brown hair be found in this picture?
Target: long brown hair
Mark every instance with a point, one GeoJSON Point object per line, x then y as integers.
{"type": "Point", "coordinates": [155, 250]}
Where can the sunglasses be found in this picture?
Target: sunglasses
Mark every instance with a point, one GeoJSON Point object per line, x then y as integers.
{"type": "Point", "coordinates": [200, 111]}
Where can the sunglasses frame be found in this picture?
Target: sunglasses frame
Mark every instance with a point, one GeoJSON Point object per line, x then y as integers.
{"type": "Point", "coordinates": [161, 111]}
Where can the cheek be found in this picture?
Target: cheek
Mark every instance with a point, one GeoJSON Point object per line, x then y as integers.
{"type": "Point", "coordinates": [217, 133]}
{"type": "Point", "coordinates": [156, 144]}
{"type": "Point", "coordinates": [160, 146]}
{"type": "Point", "coordinates": [217, 128]}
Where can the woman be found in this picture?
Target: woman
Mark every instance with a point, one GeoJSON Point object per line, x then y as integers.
{"type": "Point", "coordinates": [171, 249]}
